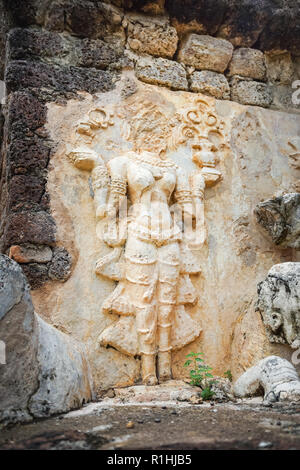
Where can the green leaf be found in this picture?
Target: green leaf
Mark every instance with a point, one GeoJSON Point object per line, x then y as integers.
{"type": "Point", "coordinates": [187, 363]}
{"type": "Point", "coordinates": [208, 375]}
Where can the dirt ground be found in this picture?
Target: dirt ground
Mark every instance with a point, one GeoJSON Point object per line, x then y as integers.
{"type": "Point", "coordinates": [107, 425]}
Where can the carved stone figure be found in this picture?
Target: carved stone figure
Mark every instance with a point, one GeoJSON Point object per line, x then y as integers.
{"type": "Point", "coordinates": [277, 376]}
{"type": "Point", "coordinates": [279, 304]}
{"type": "Point", "coordinates": [152, 215]}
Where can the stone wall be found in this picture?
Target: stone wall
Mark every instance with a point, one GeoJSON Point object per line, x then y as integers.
{"type": "Point", "coordinates": [65, 57]}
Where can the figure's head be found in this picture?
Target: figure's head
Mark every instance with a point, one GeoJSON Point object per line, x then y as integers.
{"type": "Point", "coordinates": [148, 126]}
{"type": "Point", "coordinates": [278, 303]}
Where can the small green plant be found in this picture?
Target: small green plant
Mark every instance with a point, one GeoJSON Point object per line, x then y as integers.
{"type": "Point", "coordinates": [228, 375]}
{"type": "Point", "coordinates": [199, 374]}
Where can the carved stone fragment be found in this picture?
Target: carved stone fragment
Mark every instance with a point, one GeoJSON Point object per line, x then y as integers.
{"type": "Point", "coordinates": [277, 376]}
{"type": "Point", "coordinates": [279, 303]}
{"type": "Point", "coordinates": [280, 218]}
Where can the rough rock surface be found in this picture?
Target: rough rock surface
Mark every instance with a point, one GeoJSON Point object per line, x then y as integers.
{"type": "Point", "coordinates": [46, 372]}
{"type": "Point", "coordinates": [151, 35]}
{"type": "Point", "coordinates": [29, 253]}
{"type": "Point", "coordinates": [205, 52]}
{"type": "Point", "coordinates": [280, 218]}
{"type": "Point", "coordinates": [279, 303]}
{"type": "Point", "coordinates": [277, 377]}
{"type": "Point", "coordinates": [64, 375]}
{"type": "Point", "coordinates": [18, 330]}
{"type": "Point", "coordinates": [162, 72]}
{"type": "Point", "coordinates": [210, 83]}
{"type": "Point", "coordinates": [250, 92]}
{"type": "Point", "coordinates": [280, 68]}
{"type": "Point", "coordinates": [248, 63]}
{"type": "Point", "coordinates": [60, 267]}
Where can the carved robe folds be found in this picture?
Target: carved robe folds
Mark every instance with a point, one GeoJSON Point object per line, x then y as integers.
{"type": "Point", "coordinates": [154, 267]}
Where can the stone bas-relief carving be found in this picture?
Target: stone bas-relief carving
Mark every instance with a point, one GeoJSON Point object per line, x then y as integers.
{"type": "Point", "coordinates": [279, 304]}
{"type": "Point", "coordinates": [280, 218]}
{"type": "Point", "coordinates": [152, 214]}
{"type": "Point", "coordinates": [223, 268]}
{"type": "Point", "coordinates": [277, 376]}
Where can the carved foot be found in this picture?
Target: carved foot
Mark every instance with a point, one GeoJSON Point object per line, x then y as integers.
{"type": "Point", "coordinates": [150, 380]}
{"type": "Point", "coordinates": [164, 366]}
{"type": "Point", "coordinates": [149, 370]}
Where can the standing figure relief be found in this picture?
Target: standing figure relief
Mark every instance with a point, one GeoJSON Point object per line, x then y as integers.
{"type": "Point", "coordinates": [152, 215]}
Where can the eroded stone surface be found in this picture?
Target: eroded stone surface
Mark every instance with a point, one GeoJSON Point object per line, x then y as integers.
{"type": "Point", "coordinates": [162, 72]}
{"type": "Point", "coordinates": [279, 303]}
{"type": "Point", "coordinates": [45, 371]}
{"type": "Point", "coordinates": [151, 35]}
{"type": "Point", "coordinates": [29, 253]}
{"type": "Point", "coordinates": [250, 92]}
{"type": "Point", "coordinates": [205, 52]}
{"type": "Point", "coordinates": [277, 377]}
{"type": "Point", "coordinates": [280, 68]}
{"type": "Point", "coordinates": [248, 63]}
{"type": "Point", "coordinates": [211, 83]}
{"type": "Point", "coordinates": [19, 374]}
{"type": "Point", "coordinates": [280, 218]}
{"type": "Point", "coordinates": [64, 376]}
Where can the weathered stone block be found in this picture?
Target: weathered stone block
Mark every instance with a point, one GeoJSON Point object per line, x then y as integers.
{"type": "Point", "coordinates": [250, 92]}
{"type": "Point", "coordinates": [25, 192]}
{"type": "Point", "coordinates": [280, 218]}
{"type": "Point", "coordinates": [30, 227]}
{"type": "Point", "coordinates": [46, 372]}
{"type": "Point", "coordinates": [87, 19]}
{"type": "Point", "coordinates": [248, 63]}
{"type": "Point", "coordinates": [28, 156]}
{"type": "Point", "coordinates": [60, 267]}
{"type": "Point", "coordinates": [51, 81]}
{"type": "Point", "coordinates": [244, 21]}
{"type": "Point", "coordinates": [27, 43]}
{"type": "Point", "coordinates": [279, 304]}
{"type": "Point", "coordinates": [210, 83]}
{"type": "Point", "coordinates": [65, 380]}
{"type": "Point", "coordinates": [280, 68]}
{"type": "Point", "coordinates": [206, 52]}
{"type": "Point", "coordinates": [162, 72]}
{"type": "Point", "coordinates": [19, 376]}
{"type": "Point", "coordinates": [36, 274]}
{"type": "Point", "coordinates": [26, 114]}
{"type": "Point", "coordinates": [95, 53]}
{"type": "Point", "coordinates": [29, 253]}
{"type": "Point", "coordinates": [151, 35]}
